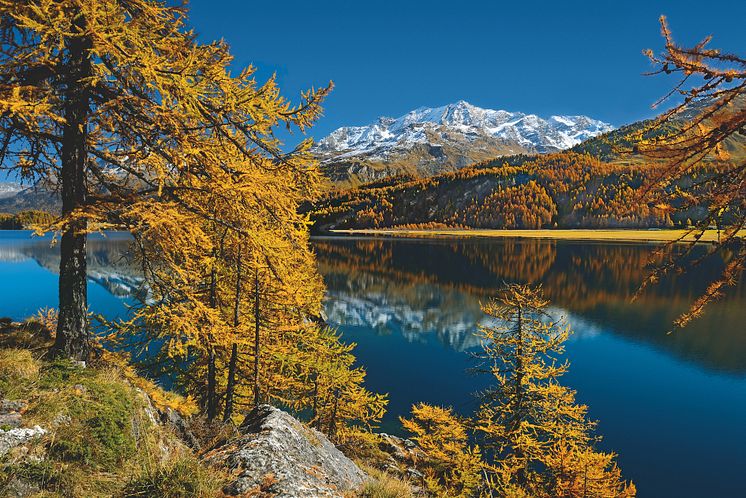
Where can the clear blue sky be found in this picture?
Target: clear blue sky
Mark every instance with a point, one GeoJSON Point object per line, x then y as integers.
{"type": "Point", "coordinates": [388, 57]}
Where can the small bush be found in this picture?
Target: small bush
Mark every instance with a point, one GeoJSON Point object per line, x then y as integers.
{"type": "Point", "coordinates": [18, 364]}
{"type": "Point", "coordinates": [385, 485]}
{"type": "Point", "coordinates": [182, 478]}
{"type": "Point", "coordinates": [18, 372]}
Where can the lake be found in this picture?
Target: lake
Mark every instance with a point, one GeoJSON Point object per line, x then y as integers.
{"type": "Point", "coordinates": [673, 406]}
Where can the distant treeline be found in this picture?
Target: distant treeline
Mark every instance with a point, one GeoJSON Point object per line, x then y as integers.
{"type": "Point", "coordinates": [564, 190]}
{"type": "Point", "coordinates": [24, 220]}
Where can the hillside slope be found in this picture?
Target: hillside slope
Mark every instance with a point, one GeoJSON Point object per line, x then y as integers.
{"type": "Point", "coordinates": [563, 190]}
{"type": "Point", "coordinates": [595, 184]}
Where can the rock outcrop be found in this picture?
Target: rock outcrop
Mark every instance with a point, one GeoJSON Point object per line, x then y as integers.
{"type": "Point", "coordinates": [277, 454]}
{"type": "Point", "coordinates": [15, 437]}
{"type": "Point", "coordinates": [11, 433]}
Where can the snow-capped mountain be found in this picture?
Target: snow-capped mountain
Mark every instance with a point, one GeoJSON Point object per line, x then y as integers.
{"type": "Point", "coordinates": [9, 189]}
{"type": "Point", "coordinates": [432, 140]}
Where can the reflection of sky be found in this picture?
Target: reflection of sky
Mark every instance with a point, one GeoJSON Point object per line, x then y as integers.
{"type": "Point", "coordinates": [27, 286]}
{"type": "Point", "coordinates": [660, 410]}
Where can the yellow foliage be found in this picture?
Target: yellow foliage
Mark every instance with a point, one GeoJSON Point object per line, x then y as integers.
{"type": "Point", "coordinates": [452, 467]}
{"type": "Point", "coordinates": [540, 439]}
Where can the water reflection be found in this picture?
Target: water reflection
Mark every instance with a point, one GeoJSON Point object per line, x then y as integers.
{"type": "Point", "coordinates": [109, 262]}
{"type": "Point", "coordinates": [663, 401]}
{"type": "Point", "coordinates": [29, 267]}
{"type": "Point", "coordinates": [434, 287]}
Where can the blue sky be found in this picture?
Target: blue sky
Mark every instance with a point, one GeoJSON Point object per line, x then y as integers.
{"type": "Point", "coordinates": [388, 57]}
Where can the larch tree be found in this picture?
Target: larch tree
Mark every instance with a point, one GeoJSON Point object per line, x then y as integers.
{"type": "Point", "coordinates": [526, 417]}
{"type": "Point", "coordinates": [697, 149]}
{"type": "Point", "coordinates": [452, 467]}
{"type": "Point", "coordinates": [114, 104]}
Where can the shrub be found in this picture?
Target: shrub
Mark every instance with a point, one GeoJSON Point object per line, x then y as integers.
{"type": "Point", "coordinates": [383, 485]}
{"type": "Point", "coordinates": [100, 407]}
{"type": "Point", "coordinates": [182, 478]}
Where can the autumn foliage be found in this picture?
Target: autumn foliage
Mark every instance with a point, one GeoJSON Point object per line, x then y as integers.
{"type": "Point", "coordinates": [536, 440]}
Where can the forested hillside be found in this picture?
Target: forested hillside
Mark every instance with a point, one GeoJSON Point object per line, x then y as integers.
{"type": "Point", "coordinates": [598, 184]}
{"type": "Point", "coordinates": [561, 190]}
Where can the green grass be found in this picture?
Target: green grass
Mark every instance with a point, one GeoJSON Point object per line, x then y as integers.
{"type": "Point", "coordinates": [101, 441]}
{"type": "Point", "coordinates": [383, 485]}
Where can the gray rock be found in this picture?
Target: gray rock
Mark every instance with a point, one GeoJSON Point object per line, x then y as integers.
{"type": "Point", "coordinates": [16, 437]}
{"type": "Point", "coordinates": [278, 454]}
{"type": "Point", "coordinates": [181, 426]}
{"type": "Point", "coordinates": [10, 419]}
{"type": "Point", "coordinates": [61, 419]}
{"type": "Point", "coordinates": [8, 406]}
{"type": "Point", "coordinates": [20, 488]}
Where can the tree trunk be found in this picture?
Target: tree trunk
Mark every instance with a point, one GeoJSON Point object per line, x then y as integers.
{"type": "Point", "coordinates": [72, 339]}
{"type": "Point", "coordinates": [315, 410]}
{"type": "Point", "coordinates": [256, 337]}
{"type": "Point", "coordinates": [230, 388]}
{"type": "Point", "coordinates": [521, 474]}
{"type": "Point", "coordinates": [333, 420]}
{"type": "Point", "coordinates": [212, 402]}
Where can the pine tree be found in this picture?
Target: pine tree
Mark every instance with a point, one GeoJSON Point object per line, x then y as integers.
{"type": "Point", "coordinates": [527, 418]}
{"type": "Point", "coordinates": [697, 163]}
{"type": "Point", "coordinates": [452, 467]}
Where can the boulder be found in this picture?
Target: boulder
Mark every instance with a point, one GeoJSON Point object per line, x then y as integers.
{"type": "Point", "coordinates": [10, 419]}
{"type": "Point", "coordinates": [277, 454]}
{"type": "Point", "coordinates": [8, 406]}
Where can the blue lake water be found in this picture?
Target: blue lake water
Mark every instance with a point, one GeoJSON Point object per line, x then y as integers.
{"type": "Point", "coordinates": [672, 406]}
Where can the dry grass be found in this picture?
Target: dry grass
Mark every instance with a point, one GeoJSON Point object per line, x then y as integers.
{"type": "Point", "coordinates": [556, 234]}
{"type": "Point", "coordinates": [18, 364]}
{"type": "Point", "coordinates": [383, 485]}
{"type": "Point", "coordinates": [101, 442]}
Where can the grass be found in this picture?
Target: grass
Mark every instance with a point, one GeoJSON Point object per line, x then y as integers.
{"type": "Point", "coordinates": [383, 485]}
{"type": "Point", "coordinates": [621, 235]}
{"type": "Point", "coordinates": [101, 441]}
{"type": "Point", "coordinates": [182, 477]}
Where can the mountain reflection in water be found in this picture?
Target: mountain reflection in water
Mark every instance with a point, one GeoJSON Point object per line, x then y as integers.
{"type": "Point", "coordinates": [435, 287]}
{"type": "Point", "coordinates": [672, 406]}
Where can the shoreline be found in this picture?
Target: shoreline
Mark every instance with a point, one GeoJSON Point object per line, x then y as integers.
{"type": "Point", "coordinates": [582, 234]}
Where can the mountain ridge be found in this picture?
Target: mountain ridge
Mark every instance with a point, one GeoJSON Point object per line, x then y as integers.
{"type": "Point", "coordinates": [428, 141]}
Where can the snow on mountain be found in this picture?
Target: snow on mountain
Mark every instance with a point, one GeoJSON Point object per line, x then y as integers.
{"type": "Point", "coordinates": [430, 140]}
{"type": "Point", "coordinates": [544, 135]}
{"type": "Point", "coordinates": [9, 189]}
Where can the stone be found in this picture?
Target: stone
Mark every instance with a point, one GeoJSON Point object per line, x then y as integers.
{"type": "Point", "coordinates": [61, 419]}
{"type": "Point", "coordinates": [8, 406]}
{"type": "Point", "coordinates": [20, 488]}
{"type": "Point", "coordinates": [277, 454]}
{"type": "Point", "coordinates": [181, 426]}
{"type": "Point", "coordinates": [16, 437]}
{"type": "Point", "coordinates": [10, 419]}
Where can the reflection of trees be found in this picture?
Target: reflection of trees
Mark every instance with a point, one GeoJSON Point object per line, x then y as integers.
{"type": "Point", "coordinates": [514, 260]}
{"type": "Point", "coordinates": [596, 281]}
{"type": "Point", "coordinates": [108, 260]}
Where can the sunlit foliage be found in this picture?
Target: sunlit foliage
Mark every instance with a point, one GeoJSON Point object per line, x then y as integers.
{"type": "Point", "coordinates": [452, 467]}
{"type": "Point", "coordinates": [700, 165]}
{"type": "Point", "coordinates": [540, 439]}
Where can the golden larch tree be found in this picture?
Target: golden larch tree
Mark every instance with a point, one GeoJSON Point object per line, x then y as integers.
{"type": "Point", "coordinates": [114, 104]}
{"type": "Point", "coordinates": [527, 420]}
{"type": "Point", "coordinates": [697, 153]}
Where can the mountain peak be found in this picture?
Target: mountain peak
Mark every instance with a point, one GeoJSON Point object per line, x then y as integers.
{"type": "Point", "coordinates": [451, 136]}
